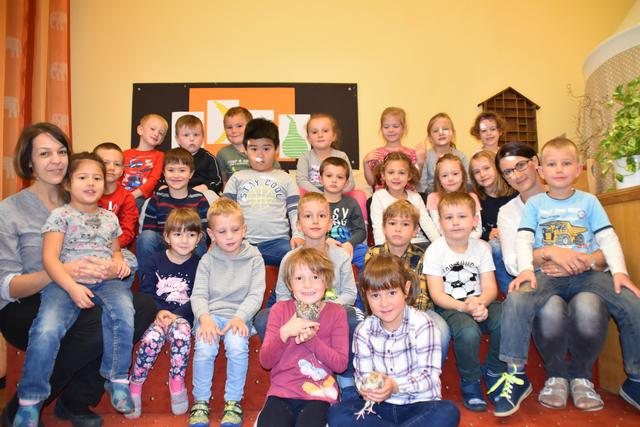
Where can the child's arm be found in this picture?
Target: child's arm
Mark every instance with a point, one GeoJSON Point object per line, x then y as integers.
{"type": "Point", "coordinates": [207, 329]}
{"type": "Point", "coordinates": [440, 298]}
{"type": "Point", "coordinates": [51, 247]}
{"type": "Point", "coordinates": [128, 218]}
{"type": "Point", "coordinates": [121, 266]}
{"type": "Point", "coordinates": [335, 353]}
{"type": "Point", "coordinates": [477, 230]}
{"type": "Point", "coordinates": [377, 209]}
{"type": "Point", "coordinates": [293, 196]}
{"type": "Point", "coordinates": [524, 256]}
{"type": "Point", "coordinates": [369, 172]}
{"type": "Point", "coordinates": [200, 294]}
{"type": "Point", "coordinates": [345, 282]}
{"type": "Point", "coordinates": [426, 223]}
{"type": "Point", "coordinates": [252, 300]}
{"type": "Point", "coordinates": [355, 224]}
{"type": "Point", "coordinates": [607, 240]}
{"type": "Point", "coordinates": [147, 188]}
{"type": "Point", "coordinates": [302, 173]}
{"type": "Point", "coordinates": [212, 173]}
{"type": "Point", "coordinates": [151, 215]}
{"type": "Point", "coordinates": [282, 292]}
{"type": "Point", "coordinates": [273, 346]}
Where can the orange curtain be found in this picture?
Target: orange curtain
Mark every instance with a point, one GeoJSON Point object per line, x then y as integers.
{"type": "Point", "coordinates": [35, 73]}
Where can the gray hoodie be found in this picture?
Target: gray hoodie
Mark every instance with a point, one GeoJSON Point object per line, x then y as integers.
{"type": "Point", "coordinates": [229, 285]}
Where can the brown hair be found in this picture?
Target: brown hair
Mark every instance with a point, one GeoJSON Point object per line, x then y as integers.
{"type": "Point", "coordinates": [437, 185]}
{"type": "Point", "coordinates": [384, 272]}
{"type": "Point", "coordinates": [457, 199]}
{"type": "Point", "coordinates": [311, 258]}
{"type": "Point", "coordinates": [334, 125]}
{"type": "Point", "coordinates": [234, 111]}
{"type": "Point", "coordinates": [414, 173]}
{"type": "Point", "coordinates": [335, 161]}
{"type": "Point", "coordinates": [501, 124]}
{"type": "Point", "coordinates": [312, 196]}
{"type": "Point", "coordinates": [402, 209]}
{"type": "Point", "coordinates": [24, 147]}
{"type": "Point", "coordinates": [77, 159]}
{"type": "Point", "coordinates": [146, 117]}
{"type": "Point", "coordinates": [559, 143]}
{"type": "Point", "coordinates": [183, 219]}
{"type": "Point", "coordinates": [178, 155]}
{"type": "Point", "coordinates": [501, 187]}
{"type": "Point", "coordinates": [224, 206]}
{"type": "Point", "coordinates": [432, 122]}
{"type": "Point", "coordinates": [190, 122]}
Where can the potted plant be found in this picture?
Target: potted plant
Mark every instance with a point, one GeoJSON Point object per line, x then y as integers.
{"type": "Point", "coordinates": [620, 148]}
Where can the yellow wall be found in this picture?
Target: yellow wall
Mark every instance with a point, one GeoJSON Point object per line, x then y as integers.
{"type": "Point", "coordinates": [423, 55]}
{"type": "Point", "coordinates": [632, 19]}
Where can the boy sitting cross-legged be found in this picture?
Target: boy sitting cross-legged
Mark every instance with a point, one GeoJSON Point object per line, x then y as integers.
{"type": "Point", "coordinates": [228, 290]}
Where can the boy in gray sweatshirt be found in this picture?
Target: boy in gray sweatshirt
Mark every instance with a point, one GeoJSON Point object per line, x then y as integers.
{"type": "Point", "coordinates": [228, 291]}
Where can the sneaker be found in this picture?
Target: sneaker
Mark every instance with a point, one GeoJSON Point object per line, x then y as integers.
{"type": "Point", "coordinates": [630, 391]}
{"type": "Point", "coordinates": [120, 396]}
{"type": "Point", "coordinates": [584, 395]}
{"type": "Point", "coordinates": [28, 416]}
{"type": "Point", "coordinates": [179, 402]}
{"type": "Point", "coordinates": [137, 407]}
{"type": "Point", "coordinates": [490, 379]}
{"type": "Point", "coordinates": [199, 416]}
{"type": "Point", "coordinates": [515, 388]}
{"type": "Point", "coordinates": [232, 415]}
{"type": "Point", "coordinates": [555, 393]}
{"type": "Point", "coordinates": [86, 418]}
{"type": "Point", "coordinates": [472, 396]}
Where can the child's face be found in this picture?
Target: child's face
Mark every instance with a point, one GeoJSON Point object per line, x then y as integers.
{"type": "Point", "coordinates": [484, 172]}
{"type": "Point", "coordinates": [307, 286]}
{"type": "Point", "coordinates": [152, 132]}
{"type": "Point", "coordinates": [450, 176]}
{"type": "Point", "coordinates": [314, 220]}
{"type": "Point", "coordinates": [560, 167]}
{"type": "Point", "coordinates": [320, 133]}
{"type": "Point", "coordinates": [234, 128]}
{"type": "Point", "coordinates": [113, 162]}
{"type": "Point", "coordinates": [457, 222]}
{"type": "Point", "coordinates": [261, 153]}
{"type": "Point", "coordinates": [227, 231]}
{"type": "Point", "coordinates": [333, 179]}
{"type": "Point", "coordinates": [441, 133]}
{"type": "Point", "coordinates": [399, 230]}
{"type": "Point", "coordinates": [86, 185]}
{"type": "Point", "coordinates": [177, 175]}
{"type": "Point", "coordinates": [190, 138]}
{"type": "Point", "coordinates": [388, 305]}
{"type": "Point", "coordinates": [396, 176]}
{"type": "Point", "coordinates": [489, 133]}
{"type": "Point", "coordinates": [392, 129]}
{"type": "Point", "coordinates": [182, 242]}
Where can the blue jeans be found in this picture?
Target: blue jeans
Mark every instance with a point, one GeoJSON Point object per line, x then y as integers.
{"type": "Point", "coordinates": [445, 333]}
{"type": "Point", "coordinates": [503, 278]}
{"type": "Point", "coordinates": [149, 242]}
{"type": "Point", "coordinates": [273, 251]}
{"type": "Point", "coordinates": [236, 348]}
{"type": "Point", "coordinates": [466, 341]}
{"type": "Point", "coordinates": [56, 314]}
{"type": "Point", "coordinates": [520, 308]}
{"type": "Point", "coordinates": [440, 413]}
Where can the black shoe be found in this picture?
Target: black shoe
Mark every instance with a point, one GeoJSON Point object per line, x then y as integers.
{"type": "Point", "coordinates": [87, 419]}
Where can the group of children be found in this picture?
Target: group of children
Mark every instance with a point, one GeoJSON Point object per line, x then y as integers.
{"type": "Point", "coordinates": [429, 277]}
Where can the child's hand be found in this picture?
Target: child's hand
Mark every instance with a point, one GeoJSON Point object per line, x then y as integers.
{"type": "Point", "coordinates": [296, 241]}
{"type": "Point", "coordinates": [348, 247]}
{"type": "Point", "coordinates": [201, 188]}
{"type": "Point", "coordinates": [494, 234]}
{"type": "Point", "coordinates": [81, 295]}
{"type": "Point", "coordinates": [294, 327]}
{"type": "Point", "coordinates": [524, 278]}
{"type": "Point", "coordinates": [371, 155]}
{"type": "Point", "coordinates": [421, 153]}
{"type": "Point", "coordinates": [208, 330]}
{"type": "Point", "coordinates": [164, 318]}
{"type": "Point", "coordinates": [237, 326]}
{"type": "Point", "coordinates": [306, 334]}
{"type": "Point", "coordinates": [389, 387]}
{"type": "Point", "coordinates": [122, 268]}
{"type": "Point", "coordinates": [621, 280]}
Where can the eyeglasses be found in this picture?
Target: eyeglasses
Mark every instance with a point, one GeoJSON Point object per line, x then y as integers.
{"type": "Point", "coordinates": [520, 167]}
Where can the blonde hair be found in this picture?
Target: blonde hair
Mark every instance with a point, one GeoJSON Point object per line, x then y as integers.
{"type": "Point", "coordinates": [146, 117]}
{"type": "Point", "coordinates": [432, 122]}
{"type": "Point", "coordinates": [314, 260]}
{"type": "Point", "coordinates": [414, 173]}
{"type": "Point", "coordinates": [395, 112]}
{"type": "Point", "coordinates": [312, 196]}
{"type": "Point", "coordinates": [224, 206]}
{"type": "Point", "coordinates": [234, 111]}
{"type": "Point", "coordinates": [437, 185]}
{"type": "Point", "coordinates": [457, 199]}
{"type": "Point", "coordinates": [559, 143]}
{"type": "Point", "coordinates": [402, 209]}
{"type": "Point", "coordinates": [501, 187]}
{"type": "Point", "coordinates": [384, 272]}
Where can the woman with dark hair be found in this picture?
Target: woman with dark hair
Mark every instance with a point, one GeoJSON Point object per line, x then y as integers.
{"type": "Point", "coordinates": [42, 156]}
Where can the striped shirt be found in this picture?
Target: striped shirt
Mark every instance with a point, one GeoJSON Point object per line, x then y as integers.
{"type": "Point", "coordinates": [410, 355]}
{"type": "Point", "coordinates": [162, 203]}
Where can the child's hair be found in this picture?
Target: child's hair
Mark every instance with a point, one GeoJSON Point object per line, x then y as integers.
{"type": "Point", "coordinates": [335, 161]}
{"type": "Point", "coordinates": [189, 121]}
{"type": "Point", "coordinates": [334, 125]}
{"type": "Point", "coordinates": [223, 206]}
{"type": "Point", "coordinates": [146, 117]}
{"type": "Point", "coordinates": [24, 147]}
{"type": "Point", "coordinates": [511, 149]}
{"type": "Point", "coordinates": [501, 187]}
{"type": "Point", "coordinates": [107, 146]}
{"type": "Point", "coordinates": [234, 111]}
{"type": "Point", "coordinates": [456, 199]}
{"type": "Point", "coordinates": [314, 260]}
{"type": "Point", "coordinates": [309, 197]}
{"type": "Point", "coordinates": [437, 185]}
{"type": "Point", "coordinates": [402, 209]}
{"type": "Point", "coordinates": [76, 159]}
{"type": "Point", "coordinates": [414, 173]}
{"type": "Point", "coordinates": [261, 128]}
{"type": "Point", "coordinates": [432, 122]}
{"type": "Point", "coordinates": [559, 143]}
{"type": "Point", "coordinates": [178, 155]}
{"type": "Point", "coordinates": [501, 123]}
{"type": "Point", "coordinates": [183, 219]}
{"type": "Point", "coordinates": [386, 271]}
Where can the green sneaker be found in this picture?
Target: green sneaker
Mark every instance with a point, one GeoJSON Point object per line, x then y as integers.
{"type": "Point", "coordinates": [232, 414]}
{"type": "Point", "coordinates": [199, 416]}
